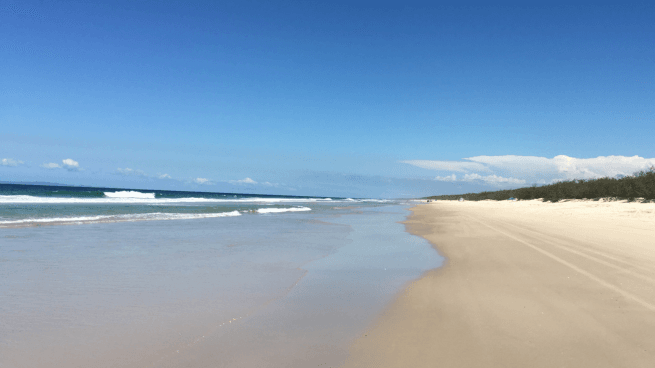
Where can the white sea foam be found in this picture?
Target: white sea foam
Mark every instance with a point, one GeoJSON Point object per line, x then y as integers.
{"type": "Point", "coordinates": [24, 199]}
{"type": "Point", "coordinates": [129, 194]}
{"type": "Point", "coordinates": [132, 197]}
{"type": "Point", "coordinates": [277, 210]}
{"type": "Point", "coordinates": [367, 200]}
{"type": "Point", "coordinates": [120, 218]}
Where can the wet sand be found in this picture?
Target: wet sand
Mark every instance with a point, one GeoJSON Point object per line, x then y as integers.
{"type": "Point", "coordinates": [274, 290]}
{"type": "Point", "coordinates": [525, 284]}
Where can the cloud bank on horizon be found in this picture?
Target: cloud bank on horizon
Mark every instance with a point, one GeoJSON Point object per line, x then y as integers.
{"type": "Point", "coordinates": [202, 181]}
{"type": "Point", "coordinates": [10, 162]}
{"type": "Point", "coordinates": [513, 170]}
{"type": "Point", "coordinates": [198, 180]}
{"type": "Point", "coordinates": [470, 174]}
{"type": "Point", "coordinates": [131, 172]}
{"type": "Point", "coordinates": [242, 181]}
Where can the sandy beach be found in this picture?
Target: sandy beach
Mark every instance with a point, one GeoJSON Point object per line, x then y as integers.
{"type": "Point", "coordinates": [525, 284]}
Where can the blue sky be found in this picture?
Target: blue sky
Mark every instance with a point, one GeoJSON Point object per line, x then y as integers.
{"type": "Point", "coordinates": [366, 99]}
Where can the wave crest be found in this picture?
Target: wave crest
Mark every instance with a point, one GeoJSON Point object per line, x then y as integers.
{"type": "Point", "coordinates": [277, 210]}
{"type": "Point", "coordinates": [116, 218]}
{"type": "Point", "coordinates": [148, 198]}
{"type": "Point", "coordinates": [129, 194]}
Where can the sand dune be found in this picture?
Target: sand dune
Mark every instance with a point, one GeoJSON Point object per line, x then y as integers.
{"type": "Point", "coordinates": [526, 284]}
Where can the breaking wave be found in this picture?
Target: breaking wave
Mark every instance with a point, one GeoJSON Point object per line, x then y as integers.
{"type": "Point", "coordinates": [363, 200]}
{"type": "Point", "coordinates": [147, 198]}
{"type": "Point", "coordinates": [129, 194]}
{"type": "Point", "coordinates": [116, 218]}
{"type": "Point", "coordinates": [277, 210]}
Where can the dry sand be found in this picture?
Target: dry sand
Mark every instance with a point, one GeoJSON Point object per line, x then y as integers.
{"type": "Point", "coordinates": [525, 284]}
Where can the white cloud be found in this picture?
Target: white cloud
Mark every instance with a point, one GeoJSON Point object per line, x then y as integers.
{"type": "Point", "coordinates": [68, 164]}
{"type": "Point", "coordinates": [458, 166]}
{"type": "Point", "coordinates": [474, 177]}
{"type": "Point", "coordinates": [565, 167]}
{"type": "Point", "coordinates": [131, 172]}
{"type": "Point", "coordinates": [202, 181]}
{"type": "Point", "coordinates": [10, 162]}
{"type": "Point", "coordinates": [452, 177]}
{"type": "Point", "coordinates": [136, 172]}
{"type": "Point", "coordinates": [243, 181]}
{"type": "Point", "coordinates": [518, 170]}
{"type": "Point", "coordinates": [492, 179]}
{"type": "Point", "coordinates": [51, 165]}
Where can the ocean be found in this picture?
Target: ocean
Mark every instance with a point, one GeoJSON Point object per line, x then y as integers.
{"type": "Point", "coordinates": [147, 278]}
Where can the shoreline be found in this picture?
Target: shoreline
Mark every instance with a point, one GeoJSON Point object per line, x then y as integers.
{"type": "Point", "coordinates": [261, 291]}
{"type": "Point", "coordinates": [524, 284]}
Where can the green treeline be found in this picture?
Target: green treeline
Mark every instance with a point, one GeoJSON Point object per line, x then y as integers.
{"type": "Point", "coordinates": [641, 185]}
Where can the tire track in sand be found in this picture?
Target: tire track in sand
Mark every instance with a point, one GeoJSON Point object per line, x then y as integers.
{"type": "Point", "coordinates": [589, 275]}
{"type": "Point", "coordinates": [571, 248]}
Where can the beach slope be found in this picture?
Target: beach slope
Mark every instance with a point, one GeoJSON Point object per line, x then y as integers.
{"type": "Point", "coordinates": [525, 284]}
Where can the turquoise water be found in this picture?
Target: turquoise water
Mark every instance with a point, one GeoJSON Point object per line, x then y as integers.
{"type": "Point", "coordinates": [34, 205]}
{"type": "Point", "coordinates": [270, 286]}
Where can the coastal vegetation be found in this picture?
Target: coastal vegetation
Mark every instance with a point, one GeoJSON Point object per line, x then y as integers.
{"type": "Point", "coordinates": [639, 185]}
